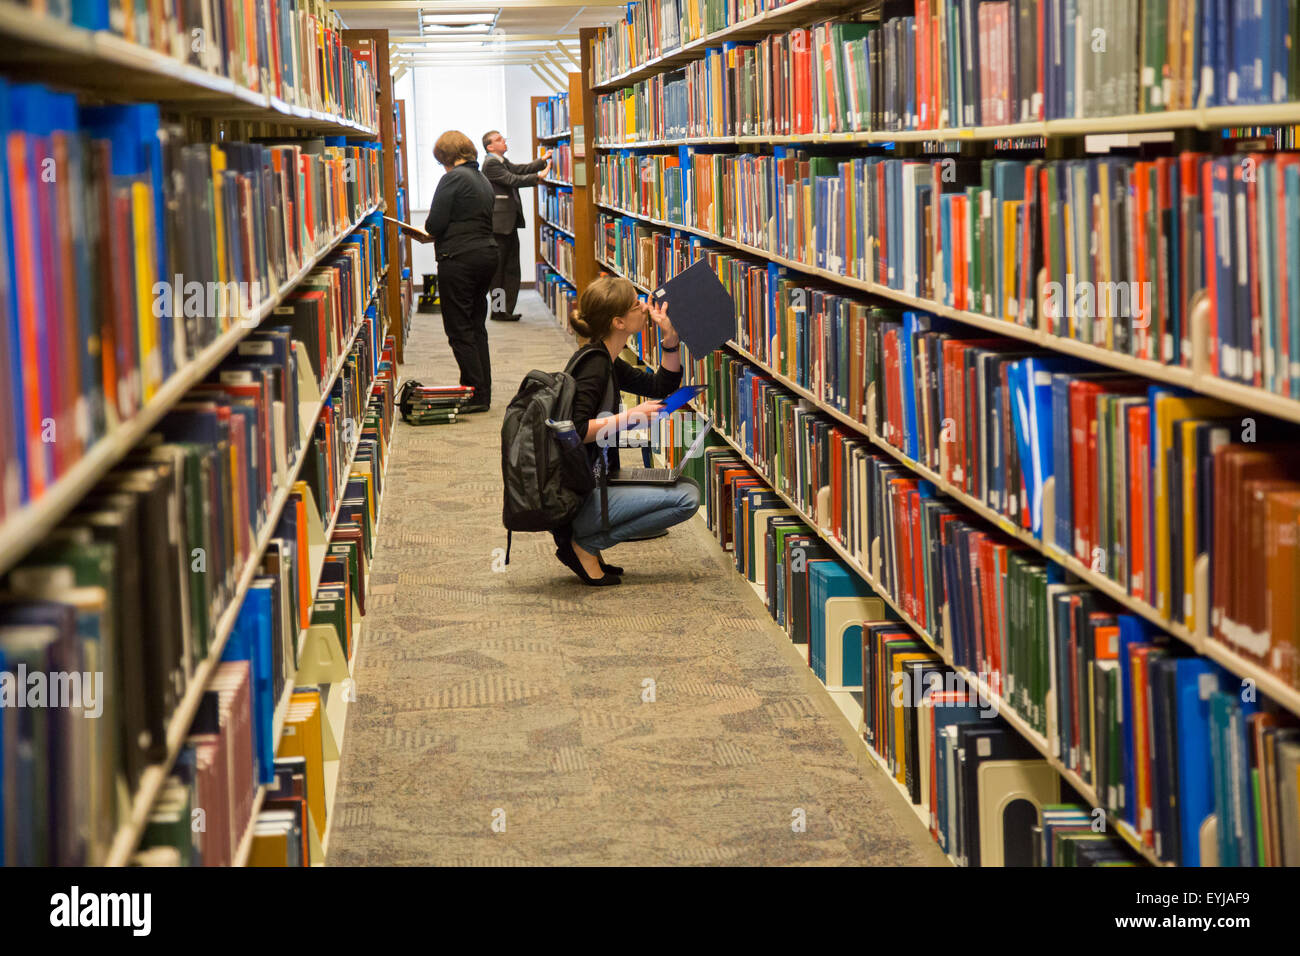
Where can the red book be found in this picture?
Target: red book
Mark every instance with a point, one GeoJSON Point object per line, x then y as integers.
{"type": "Point", "coordinates": [801, 67]}
{"type": "Point", "coordinates": [828, 58]}
{"type": "Point", "coordinates": [1142, 209]}
{"type": "Point", "coordinates": [1083, 444]}
{"type": "Point", "coordinates": [26, 257]}
{"type": "Point", "coordinates": [961, 296]}
{"type": "Point", "coordinates": [1211, 286]}
{"type": "Point", "coordinates": [899, 489]}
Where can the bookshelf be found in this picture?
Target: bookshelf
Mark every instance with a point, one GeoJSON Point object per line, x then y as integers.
{"type": "Point", "coordinates": [403, 193]}
{"type": "Point", "coordinates": [557, 284]}
{"type": "Point", "coordinates": [99, 61]}
{"type": "Point", "coordinates": [373, 44]}
{"type": "Point", "coordinates": [233, 101]}
{"type": "Point", "coordinates": [1148, 134]}
{"type": "Point", "coordinates": [22, 531]}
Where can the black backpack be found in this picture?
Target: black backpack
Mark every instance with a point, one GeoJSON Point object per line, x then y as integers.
{"type": "Point", "coordinates": [545, 483]}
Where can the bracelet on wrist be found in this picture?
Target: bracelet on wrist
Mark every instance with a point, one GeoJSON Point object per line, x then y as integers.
{"type": "Point", "coordinates": [671, 348]}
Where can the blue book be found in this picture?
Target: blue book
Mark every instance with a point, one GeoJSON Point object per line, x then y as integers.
{"type": "Point", "coordinates": [1222, 51]}
{"type": "Point", "coordinates": [1031, 415]}
{"type": "Point", "coordinates": [251, 641]}
{"type": "Point", "coordinates": [1133, 631]}
{"type": "Point", "coordinates": [914, 323]}
{"type": "Point", "coordinates": [1061, 460]}
{"type": "Point", "coordinates": [1279, 31]}
{"type": "Point", "coordinates": [837, 622]}
{"type": "Point", "coordinates": [91, 15]}
{"type": "Point", "coordinates": [1196, 680]}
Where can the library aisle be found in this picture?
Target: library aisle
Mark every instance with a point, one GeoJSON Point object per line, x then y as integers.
{"type": "Point", "coordinates": [499, 717]}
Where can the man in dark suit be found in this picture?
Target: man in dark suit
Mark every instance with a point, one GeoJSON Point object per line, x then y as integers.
{"type": "Point", "coordinates": [508, 218]}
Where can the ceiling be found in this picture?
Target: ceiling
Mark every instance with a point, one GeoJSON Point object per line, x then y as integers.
{"type": "Point", "coordinates": [538, 33]}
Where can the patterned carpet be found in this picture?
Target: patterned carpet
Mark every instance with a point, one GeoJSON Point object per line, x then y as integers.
{"type": "Point", "coordinates": [500, 716]}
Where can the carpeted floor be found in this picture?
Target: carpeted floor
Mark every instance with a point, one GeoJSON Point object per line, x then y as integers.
{"type": "Point", "coordinates": [500, 717]}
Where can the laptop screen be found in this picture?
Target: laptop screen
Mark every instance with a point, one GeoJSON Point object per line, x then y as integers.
{"type": "Point", "coordinates": [695, 446]}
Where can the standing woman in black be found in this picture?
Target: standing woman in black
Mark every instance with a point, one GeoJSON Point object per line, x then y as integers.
{"type": "Point", "coordinates": [460, 222]}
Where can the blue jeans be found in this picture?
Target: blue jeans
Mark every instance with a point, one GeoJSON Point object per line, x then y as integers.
{"type": "Point", "coordinates": [634, 512]}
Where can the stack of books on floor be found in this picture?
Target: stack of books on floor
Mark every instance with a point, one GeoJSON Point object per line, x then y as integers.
{"type": "Point", "coordinates": [433, 404]}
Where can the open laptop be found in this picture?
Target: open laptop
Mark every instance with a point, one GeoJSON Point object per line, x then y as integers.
{"type": "Point", "coordinates": [660, 476]}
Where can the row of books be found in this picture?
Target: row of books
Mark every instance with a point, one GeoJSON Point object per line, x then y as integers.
{"type": "Point", "coordinates": [651, 28]}
{"type": "Point", "coordinates": [656, 108]}
{"type": "Point", "coordinates": [289, 49]}
{"type": "Point", "coordinates": [557, 248]}
{"type": "Point", "coordinates": [646, 255]}
{"type": "Point", "coordinates": [551, 116]}
{"type": "Point", "coordinates": [1088, 679]}
{"type": "Point", "coordinates": [112, 194]}
{"type": "Point", "coordinates": [561, 162]}
{"type": "Point", "coordinates": [555, 204]}
{"type": "Point", "coordinates": [954, 63]}
{"type": "Point", "coordinates": [1127, 244]}
{"type": "Point", "coordinates": [193, 500]}
{"type": "Point", "coordinates": [231, 751]}
{"type": "Point", "coordinates": [932, 742]}
{"type": "Point", "coordinates": [932, 64]}
{"type": "Point", "coordinates": [179, 244]}
{"type": "Point", "coordinates": [558, 293]}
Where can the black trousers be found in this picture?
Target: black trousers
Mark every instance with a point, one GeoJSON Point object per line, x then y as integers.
{"type": "Point", "coordinates": [506, 277]}
{"type": "Point", "coordinates": [463, 284]}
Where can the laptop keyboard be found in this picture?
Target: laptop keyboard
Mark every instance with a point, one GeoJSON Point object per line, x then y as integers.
{"type": "Point", "coordinates": [644, 474]}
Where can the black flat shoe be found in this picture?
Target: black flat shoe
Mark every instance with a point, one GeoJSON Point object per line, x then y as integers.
{"type": "Point", "coordinates": [570, 561]}
{"type": "Point", "coordinates": [609, 568]}
{"type": "Point", "coordinates": [471, 409]}
{"type": "Point", "coordinates": [502, 317]}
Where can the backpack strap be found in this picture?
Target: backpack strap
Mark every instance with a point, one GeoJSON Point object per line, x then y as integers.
{"type": "Point", "coordinates": [509, 538]}
{"type": "Point", "coordinates": [608, 402]}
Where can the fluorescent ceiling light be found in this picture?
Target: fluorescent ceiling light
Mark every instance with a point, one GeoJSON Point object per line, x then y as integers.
{"type": "Point", "coordinates": [456, 31]}
{"type": "Point", "coordinates": [458, 17]}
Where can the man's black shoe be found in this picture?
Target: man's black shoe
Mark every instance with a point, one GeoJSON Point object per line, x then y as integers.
{"type": "Point", "coordinates": [502, 317]}
{"type": "Point", "coordinates": [471, 409]}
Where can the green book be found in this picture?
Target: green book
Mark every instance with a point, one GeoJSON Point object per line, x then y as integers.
{"type": "Point", "coordinates": [332, 611]}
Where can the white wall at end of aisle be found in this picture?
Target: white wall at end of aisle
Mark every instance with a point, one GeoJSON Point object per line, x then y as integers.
{"type": "Point", "coordinates": [521, 85]}
{"type": "Point", "coordinates": [485, 97]}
